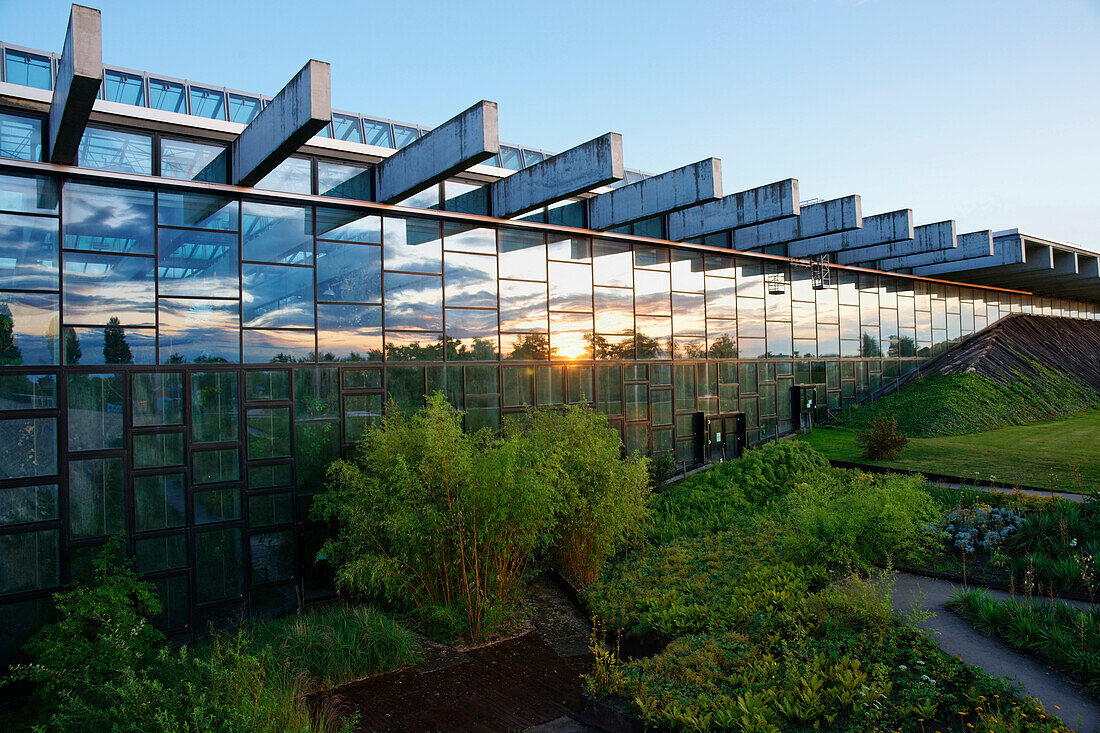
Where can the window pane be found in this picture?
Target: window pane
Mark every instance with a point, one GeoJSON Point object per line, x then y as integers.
{"type": "Point", "coordinates": [526, 346]}
{"type": "Point", "coordinates": [218, 553]}
{"type": "Point", "coordinates": [108, 219]}
{"type": "Point", "coordinates": [651, 293]}
{"type": "Point", "coordinates": [470, 280]}
{"type": "Point", "coordinates": [377, 133]}
{"type": "Point", "coordinates": [21, 504]}
{"type": "Point", "coordinates": [96, 497]}
{"type": "Point", "coordinates": [523, 306]}
{"type": "Point", "coordinates": [30, 320]}
{"type": "Point", "coordinates": [279, 234]}
{"type": "Point", "coordinates": [272, 556]}
{"type": "Point", "coordinates": [349, 273]}
{"type": "Point", "coordinates": [467, 238]}
{"type": "Point", "coordinates": [123, 88]}
{"type": "Point", "coordinates": [317, 444]}
{"type": "Point", "coordinates": [31, 561]}
{"type": "Point", "coordinates": [243, 109]}
{"type": "Point", "coordinates": [570, 287]}
{"type": "Point", "coordinates": [346, 127]}
{"type": "Point", "coordinates": [268, 433]}
{"type": "Point", "coordinates": [215, 466]}
{"type": "Point", "coordinates": [568, 333]}
{"type": "Point", "coordinates": [345, 181]}
{"type": "Point", "coordinates": [20, 137]}
{"type": "Point", "coordinates": [404, 135]}
{"type": "Point", "coordinates": [278, 346]}
{"type": "Point", "coordinates": [612, 264]}
{"type": "Point", "coordinates": [28, 447]}
{"type": "Point", "coordinates": [213, 406]}
{"type": "Point", "coordinates": [194, 161]}
{"type": "Point", "coordinates": [349, 332]}
{"type": "Point", "coordinates": [293, 175]}
{"type": "Point", "coordinates": [471, 335]}
{"type": "Point", "coordinates": [28, 194]}
{"type": "Point", "coordinates": [28, 69]}
{"type": "Point", "coordinates": [414, 301]}
{"type": "Point", "coordinates": [347, 225]}
{"type": "Point", "coordinates": [412, 245]}
{"type": "Point", "coordinates": [510, 158]}
{"type": "Point", "coordinates": [688, 313]}
{"type": "Point", "coordinates": [199, 331]}
{"type": "Point", "coordinates": [160, 553]}
{"type": "Point", "coordinates": [100, 288]}
{"type": "Point", "coordinates": [277, 297]}
{"type": "Point", "coordinates": [522, 255]}
{"type": "Point", "coordinates": [112, 344]}
{"type": "Point", "coordinates": [28, 252]}
{"type": "Point", "coordinates": [360, 412]}
{"type": "Point", "coordinates": [158, 449]}
{"type": "Point", "coordinates": [468, 198]}
{"type": "Point", "coordinates": [614, 309]}
{"type": "Point", "coordinates": [95, 411]}
{"type": "Point", "coordinates": [197, 210]}
{"type": "Point", "coordinates": [316, 392]}
{"type": "Point", "coordinates": [208, 103]}
{"type": "Point", "coordinates": [167, 96]}
{"type": "Point", "coordinates": [157, 399]}
{"type": "Point", "coordinates": [267, 509]}
{"type": "Point", "coordinates": [27, 391]}
{"type": "Point", "coordinates": [654, 337]}
{"type": "Point", "coordinates": [362, 378]}
{"type": "Point", "coordinates": [265, 386]}
{"type": "Point", "coordinates": [114, 150]}
{"type": "Point", "coordinates": [202, 264]}
{"type": "Point", "coordinates": [404, 346]}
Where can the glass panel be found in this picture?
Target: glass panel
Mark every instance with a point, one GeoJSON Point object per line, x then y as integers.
{"type": "Point", "coordinates": [96, 497]}
{"type": "Point", "coordinates": [360, 412]}
{"type": "Point", "coordinates": [550, 385]}
{"type": "Point", "coordinates": [317, 444]}
{"type": "Point", "coordinates": [468, 198]}
{"type": "Point", "coordinates": [27, 391]}
{"type": "Point", "coordinates": [108, 219]}
{"type": "Point", "coordinates": [277, 297]}
{"type": "Point", "coordinates": [199, 331]}
{"type": "Point", "coordinates": [316, 391]}
{"type": "Point", "coordinates": [102, 289]}
{"type": "Point", "coordinates": [570, 335]}
{"type": "Point", "coordinates": [570, 287]}
{"type": "Point", "coordinates": [213, 406]}
{"type": "Point", "coordinates": [159, 502]}
{"type": "Point", "coordinates": [161, 553]}
{"type": "Point", "coordinates": [467, 238]}
{"type": "Point", "coordinates": [218, 553]}
{"type": "Point", "coordinates": [293, 175]}
{"type": "Point", "coordinates": [194, 161]}
{"type": "Point", "coordinates": [519, 386]}
{"type": "Point", "coordinates": [687, 271]}
{"type": "Point", "coordinates": [378, 133]}
{"type": "Point", "coordinates": [167, 96]}
{"type": "Point", "coordinates": [651, 293]}
{"type": "Point", "coordinates": [612, 264]}
{"type": "Point", "coordinates": [414, 301]}
{"type": "Point", "coordinates": [470, 280]}
{"type": "Point", "coordinates": [197, 211]}
{"type": "Point", "coordinates": [28, 447]}
{"type": "Point", "coordinates": [265, 386]}
{"type": "Point", "coordinates": [158, 449]}
{"type": "Point", "coordinates": [28, 194]}
{"type": "Point", "coordinates": [662, 406]}
{"type": "Point", "coordinates": [28, 252]}
{"type": "Point", "coordinates": [208, 103]}
{"type": "Point", "coordinates": [20, 137]}
{"type": "Point", "coordinates": [426, 199]}
{"type": "Point", "coordinates": [268, 509]}
{"type": "Point", "coordinates": [95, 411]}
{"type": "Point", "coordinates": [362, 378]}
{"type": "Point", "coordinates": [346, 225]}
{"type": "Point", "coordinates": [28, 323]}
{"type": "Point", "coordinates": [413, 346]}
{"type": "Point", "coordinates": [412, 245]}
{"type": "Point", "coordinates": [527, 346]}
{"type": "Point", "coordinates": [157, 399]}
{"type": "Point", "coordinates": [349, 332]}
{"type": "Point", "coordinates": [522, 255]}
{"type": "Point", "coordinates": [688, 314]}
{"type": "Point", "coordinates": [614, 309]}
{"type": "Point", "coordinates": [22, 504]}
{"type": "Point", "coordinates": [471, 335]}
{"type": "Point", "coordinates": [272, 556]}
{"type": "Point", "coordinates": [654, 337]}
{"type": "Point", "coordinates": [637, 402]}
{"type": "Point", "coordinates": [261, 477]}
{"type": "Point", "coordinates": [123, 88]}
{"type": "Point", "coordinates": [243, 109]}
{"type": "Point", "coordinates": [278, 346]}
{"type": "Point", "coordinates": [28, 69]}
{"type": "Point", "coordinates": [198, 263]}
{"type": "Point", "coordinates": [346, 127]}
{"type": "Point", "coordinates": [510, 158]}
{"type": "Point", "coordinates": [349, 273]}
{"type": "Point", "coordinates": [268, 431]}
{"type": "Point", "coordinates": [215, 466]}
{"type": "Point", "coordinates": [31, 561]}
{"type": "Point", "coordinates": [570, 249]}
{"type": "Point", "coordinates": [278, 234]}
{"type": "Point", "coordinates": [114, 150]}
{"type": "Point", "coordinates": [404, 135]}
{"type": "Point", "coordinates": [522, 306]}
{"type": "Point", "coordinates": [345, 181]}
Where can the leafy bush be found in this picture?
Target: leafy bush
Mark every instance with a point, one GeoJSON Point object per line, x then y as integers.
{"type": "Point", "coordinates": [604, 495]}
{"type": "Point", "coordinates": [852, 519]}
{"type": "Point", "coordinates": [881, 439]}
{"type": "Point", "coordinates": [444, 522]}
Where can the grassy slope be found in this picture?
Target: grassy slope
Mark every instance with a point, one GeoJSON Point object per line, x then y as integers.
{"type": "Point", "coordinates": [1023, 454]}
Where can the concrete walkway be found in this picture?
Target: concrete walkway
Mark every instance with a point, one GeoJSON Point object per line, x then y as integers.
{"type": "Point", "coordinates": [956, 636]}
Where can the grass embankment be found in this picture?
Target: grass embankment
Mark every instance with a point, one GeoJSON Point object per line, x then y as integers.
{"type": "Point", "coordinates": [959, 404]}
{"type": "Point", "coordinates": [752, 570]}
{"type": "Point", "coordinates": [1064, 452]}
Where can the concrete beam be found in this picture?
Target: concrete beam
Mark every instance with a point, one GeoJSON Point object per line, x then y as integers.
{"type": "Point", "coordinates": [824, 217]}
{"type": "Point", "coordinates": [1063, 271]}
{"type": "Point", "coordinates": [297, 113]}
{"type": "Point", "coordinates": [1006, 251]}
{"type": "Point", "coordinates": [462, 141]}
{"type": "Point", "coordinates": [765, 203]}
{"type": "Point", "coordinates": [662, 194]}
{"type": "Point", "coordinates": [926, 238]}
{"type": "Point", "coordinates": [79, 75]}
{"type": "Point", "coordinates": [969, 246]}
{"type": "Point", "coordinates": [587, 166]}
{"type": "Point", "coordinates": [895, 226]}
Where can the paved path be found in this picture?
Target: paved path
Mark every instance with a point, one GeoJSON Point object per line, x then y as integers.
{"type": "Point", "coordinates": [956, 636]}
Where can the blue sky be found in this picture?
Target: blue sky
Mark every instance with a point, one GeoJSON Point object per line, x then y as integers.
{"type": "Point", "coordinates": [984, 112]}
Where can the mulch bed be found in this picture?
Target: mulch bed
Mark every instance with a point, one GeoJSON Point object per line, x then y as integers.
{"type": "Point", "coordinates": [507, 686]}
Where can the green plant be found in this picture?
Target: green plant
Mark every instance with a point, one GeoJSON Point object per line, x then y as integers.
{"type": "Point", "coordinates": [444, 522]}
{"type": "Point", "coordinates": [881, 439]}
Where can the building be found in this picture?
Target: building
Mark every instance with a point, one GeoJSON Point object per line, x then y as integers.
{"type": "Point", "coordinates": [206, 295]}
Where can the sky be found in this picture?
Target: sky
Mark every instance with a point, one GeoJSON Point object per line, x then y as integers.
{"type": "Point", "coordinates": [987, 113]}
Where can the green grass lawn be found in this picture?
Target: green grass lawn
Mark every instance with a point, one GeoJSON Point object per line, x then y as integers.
{"type": "Point", "coordinates": [1024, 454]}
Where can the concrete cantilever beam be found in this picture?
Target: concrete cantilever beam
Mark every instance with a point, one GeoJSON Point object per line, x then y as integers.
{"type": "Point", "coordinates": [765, 203]}
{"type": "Point", "coordinates": [587, 166]}
{"type": "Point", "coordinates": [969, 246]}
{"type": "Point", "coordinates": [926, 238]}
{"type": "Point", "coordinates": [823, 217]}
{"type": "Point", "coordinates": [851, 247]}
{"type": "Point", "coordinates": [662, 194]}
{"type": "Point", "coordinates": [297, 113]}
{"type": "Point", "coordinates": [1006, 251]}
{"type": "Point", "coordinates": [462, 141]}
{"type": "Point", "coordinates": [79, 76]}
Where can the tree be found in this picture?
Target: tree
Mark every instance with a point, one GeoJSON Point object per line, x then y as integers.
{"type": "Point", "coordinates": [881, 439]}
{"type": "Point", "coordinates": [115, 348]}
{"type": "Point", "coordinates": [9, 351]}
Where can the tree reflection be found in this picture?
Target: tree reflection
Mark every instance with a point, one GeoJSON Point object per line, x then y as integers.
{"type": "Point", "coordinates": [531, 347]}
{"type": "Point", "coordinates": [602, 348]}
{"type": "Point", "coordinates": [9, 351]}
{"type": "Point", "coordinates": [723, 347]}
{"type": "Point", "coordinates": [115, 348]}
{"type": "Point", "coordinates": [416, 351]}
{"type": "Point", "coordinates": [871, 346]}
{"type": "Point", "coordinates": [480, 349]}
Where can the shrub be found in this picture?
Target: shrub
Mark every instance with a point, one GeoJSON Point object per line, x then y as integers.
{"type": "Point", "coordinates": [444, 522]}
{"type": "Point", "coordinates": [604, 495]}
{"type": "Point", "coordinates": [881, 440]}
{"type": "Point", "coordinates": [854, 519]}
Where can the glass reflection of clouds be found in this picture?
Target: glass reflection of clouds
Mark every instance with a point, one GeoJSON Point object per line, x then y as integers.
{"type": "Point", "coordinates": [687, 272]}
{"type": "Point", "coordinates": [28, 252]}
{"type": "Point", "coordinates": [721, 297]}
{"type": "Point", "coordinates": [28, 194]}
{"type": "Point", "coordinates": [567, 335]}
{"type": "Point", "coordinates": [569, 249]}
{"type": "Point", "coordinates": [522, 255]}
{"type": "Point", "coordinates": [651, 293]}
{"type": "Point", "coordinates": [197, 210]}
{"type": "Point", "coordinates": [614, 310]}
{"type": "Point", "coordinates": [108, 219]}
{"type": "Point", "coordinates": [32, 320]}
{"type": "Point", "coordinates": [688, 314]}
{"type": "Point", "coordinates": [467, 238]}
{"type": "Point", "coordinates": [654, 337]}
{"type": "Point", "coordinates": [349, 332]}
{"type": "Point", "coordinates": [570, 287]}
{"type": "Point", "coordinates": [199, 331]}
{"type": "Point", "coordinates": [195, 263]}
{"type": "Point", "coordinates": [347, 225]}
{"type": "Point", "coordinates": [471, 335]}
{"type": "Point", "coordinates": [470, 280]}
{"type": "Point", "coordinates": [277, 297]}
{"type": "Point", "coordinates": [612, 264]}
{"type": "Point", "coordinates": [99, 287]}
{"type": "Point", "coordinates": [522, 306]}
{"type": "Point", "coordinates": [414, 301]}
{"type": "Point", "coordinates": [412, 245]}
{"type": "Point", "coordinates": [349, 273]}
{"type": "Point", "coordinates": [278, 234]}
{"type": "Point", "coordinates": [278, 346]}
